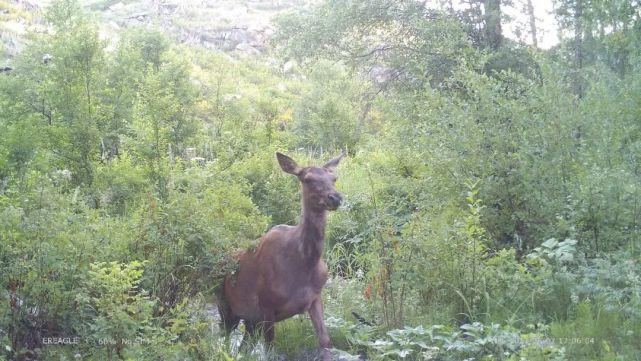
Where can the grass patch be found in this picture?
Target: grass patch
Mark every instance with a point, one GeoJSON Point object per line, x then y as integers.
{"type": "Point", "coordinates": [297, 335]}
{"type": "Point", "coordinates": [595, 332]}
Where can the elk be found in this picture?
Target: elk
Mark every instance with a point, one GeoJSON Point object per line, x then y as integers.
{"type": "Point", "coordinates": [284, 274]}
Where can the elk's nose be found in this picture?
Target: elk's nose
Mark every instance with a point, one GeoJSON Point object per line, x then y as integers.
{"type": "Point", "coordinates": [335, 199]}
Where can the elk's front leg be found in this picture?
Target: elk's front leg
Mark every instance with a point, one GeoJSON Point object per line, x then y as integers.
{"type": "Point", "coordinates": [316, 314]}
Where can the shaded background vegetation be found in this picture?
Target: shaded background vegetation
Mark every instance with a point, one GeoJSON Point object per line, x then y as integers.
{"type": "Point", "coordinates": [492, 188]}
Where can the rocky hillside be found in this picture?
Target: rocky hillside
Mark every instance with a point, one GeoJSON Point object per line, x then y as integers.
{"type": "Point", "coordinates": [17, 18]}
{"type": "Point", "coordinates": [229, 25]}
{"type": "Point", "coordinates": [241, 27]}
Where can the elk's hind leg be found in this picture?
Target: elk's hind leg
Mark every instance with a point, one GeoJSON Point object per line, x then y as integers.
{"type": "Point", "coordinates": [266, 326]}
{"type": "Point", "coordinates": [249, 337]}
{"type": "Point", "coordinates": [228, 321]}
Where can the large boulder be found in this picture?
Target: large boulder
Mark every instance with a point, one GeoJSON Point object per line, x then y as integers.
{"type": "Point", "coordinates": [246, 49]}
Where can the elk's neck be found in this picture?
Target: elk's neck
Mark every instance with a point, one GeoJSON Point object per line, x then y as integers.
{"type": "Point", "coordinates": [312, 232]}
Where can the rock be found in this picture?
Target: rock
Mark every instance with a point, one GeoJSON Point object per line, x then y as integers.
{"type": "Point", "coordinates": [230, 38]}
{"type": "Point", "coordinates": [47, 58]}
{"type": "Point", "coordinates": [197, 83]}
{"type": "Point", "coordinates": [380, 75]}
{"type": "Point", "coordinates": [233, 14]}
{"type": "Point", "coordinates": [9, 44]}
{"type": "Point", "coordinates": [213, 315]}
{"type": "Point", "coordinates": [60, 177]}
{"type": "Point", "coordinates": [169, 9]}
{"type": "Point", "coordinates": [40, 29]}
{"type": "Point", "coordinates": [29, 5]}
{"type": "Point", "coordinates": [16, 27]}
{"type": "Point", "coordinates": [114, 25]}
{"type": "Point", "coordinates": [117, 7]}
{"type": "Point", "coordinates": [247, 49]}
{"type": "Point", "coordinates": [269, 30]}
{"type": "Point", "coordinates": [273, 62]}
{"type": "Point", "coordinates": [198, 160]}
{"type": "Point", "coordinates": [190, 152]}
{"type": "Point", "coordinates": [231, 97]}
{"type": "Point", "coordinates": [107, 196]}
{"type": "Point", "coordinates": [63, 174]}
{"type": "Point", "coordinates": [289, 66]}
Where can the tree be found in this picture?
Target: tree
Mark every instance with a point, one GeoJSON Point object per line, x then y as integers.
{"type": "Point", "coordinates": [162, 117]}
{"type": "Point", "coordinates": [139, 50]}
{"type": "Point", "coordinates": [602, 31]}
{"type": "Point", "coordinates": [532, 22]}
{"type": "Point", "coordinates": [327, 116]}
{"type": "Point", "coordinates": [401, 42]}
{"type": "Point", "coordinates": [493, 32]}
{"type": "Point", "coordinates": [62, 71]}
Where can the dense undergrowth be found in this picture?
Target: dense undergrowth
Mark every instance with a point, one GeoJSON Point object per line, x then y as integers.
{"type": "Point", "coordinates": [491, 212]}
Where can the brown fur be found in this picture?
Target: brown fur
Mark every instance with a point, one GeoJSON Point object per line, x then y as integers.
{"type": "Point", "coordinates": [284, 275]}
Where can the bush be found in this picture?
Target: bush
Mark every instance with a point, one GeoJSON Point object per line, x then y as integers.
{"type": "Point", "coordinates": [327, 116]}
{"type": "Point", "coordinates": [115, 311]}
{"type": "Point", "coordinates": [188, 236]}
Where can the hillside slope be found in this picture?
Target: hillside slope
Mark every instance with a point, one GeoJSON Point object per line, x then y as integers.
{"type": "Point", "coordinates": [241, 27]}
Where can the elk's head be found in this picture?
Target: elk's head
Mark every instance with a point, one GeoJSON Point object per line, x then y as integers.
{"type": "Point", "coordinates": [318, 182]}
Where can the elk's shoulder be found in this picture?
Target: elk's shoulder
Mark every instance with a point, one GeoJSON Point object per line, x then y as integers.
{"type": "Point", "coordinates": [279, 231]}
{"type": "Point", "coordinates": [282, 228]}
{"type": "Point", "coordinates": [278, 235]}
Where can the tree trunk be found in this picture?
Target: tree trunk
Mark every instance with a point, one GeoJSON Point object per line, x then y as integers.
{"type": "Point", "coordinates": [493, 34]}
{"type": "Point", "coordinates": [578, 47]}
{"type": "Point", "coordinates": [530, 10]}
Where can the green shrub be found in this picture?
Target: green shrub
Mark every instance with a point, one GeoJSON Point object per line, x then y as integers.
{"type": "Point", "coordinates": [188, 236]}
{"type": "Point", "coordinates": [327, 116]}
{"type": "Point", "coordinates": [115, 311]}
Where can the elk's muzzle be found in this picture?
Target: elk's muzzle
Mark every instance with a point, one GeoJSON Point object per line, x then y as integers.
{"type": "Point", "coordinates": [334, 200]}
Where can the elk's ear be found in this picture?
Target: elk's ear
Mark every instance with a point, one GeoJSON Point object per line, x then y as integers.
{"type": "Point", "coordinates": [287, 164]}
{"type": "Point", "coordinates": [333, 163]}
